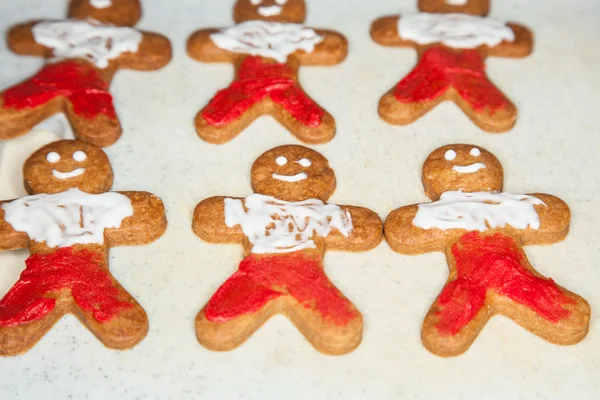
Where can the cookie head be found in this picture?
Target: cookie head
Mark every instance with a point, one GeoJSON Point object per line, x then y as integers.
{"type": "Point", "coordinates": [293, 173]}
{"type": "Point", "coordinates": [116, 12]}
{"type": "Point", "coordinates": [473, 7]}
{"type": "Point", "coordinates": [461, 167]}
{"type": "Point", "coordinates": [293, 11]}
{"type": "Point", "coordinates": [67, 164]}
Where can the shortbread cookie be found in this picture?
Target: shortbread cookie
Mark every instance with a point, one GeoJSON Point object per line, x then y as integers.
{"type": "Point", "coordinates": [69, 224]}
{"type": "Point", "coordinates": [267, 47]}
{"type": "Point", "coordinates": [482, 231]}
{"type": "Point", "coordinates": [83, 54]}
{"type": "Point", "coordinates": [285, 228]}
{"type": "Point", "coordinates": [452, 39]}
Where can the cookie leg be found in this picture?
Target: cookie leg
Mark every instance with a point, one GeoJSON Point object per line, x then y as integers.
{"type": "Point", "coordinates": [414, 96]}
{"type": "Point", "coordinates": [455, 319]}
{"type": "Point", "coordinates": [329, 321]}
{"type": "Point", "coordinates": [553, 313]}
{"type": "Point", "coordinates": [238, 308]}
{"type": "Point", "coordinates": [25, 318]}
{"type": "Point", "coordinates": [113, 315]}
{"type": "Point", "coordinates": [17, 121]}
{"type": "Point", "coordinates": [302, 116]}
{"type": "Point", "coordinates": [485, 104]}
{"type": "Point", "coordinates": [93, 118]}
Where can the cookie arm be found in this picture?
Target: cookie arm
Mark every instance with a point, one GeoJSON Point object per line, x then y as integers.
{"type": "Point", "coordinates": [200, 47]}
{"type": "Point", "coordinates": [154, 52]}
{"type": "Point", "coordinates": [385, 32]}
{"type": "Point", "coordinates": [21, 41]}
{"type": "Point", "coordinates": [209, 222]}
{"type": "Point", "coordinates": [555, 218]}
{"type": "Point", "coordinates": [405, 238]}
{"type": "Point", "coordinates": [331, 51]}
{"type": "Point", "coordinates": [522, 46]}
{"type": "Point", "coordinates": [147, 223]}
{"type": "Point", "coordinates": [10, 239]}
{"type": "Point", "coordinates": [367, 231]}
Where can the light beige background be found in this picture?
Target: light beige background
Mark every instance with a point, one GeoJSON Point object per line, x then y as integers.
{"type": "Point", "coordinates": [554, 148]}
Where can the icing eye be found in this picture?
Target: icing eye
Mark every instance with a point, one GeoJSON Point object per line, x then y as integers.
{"type": "Point", "coordinates": [255, 2]}
{"type": "Point", "coordinates": [281, 160]}
{"type": "Point", "coordinates": [305, 162]}
{"type": "Point", "coordinates": [79, 156]}
{"type": "Point", "coordinates": [450, 155]}
{"type": "Point", "coordinates": [475, 152]}
{"type": "Point", "coordinates": [53, 157]}
{"type": "Point", "coordinates": [281, 2]}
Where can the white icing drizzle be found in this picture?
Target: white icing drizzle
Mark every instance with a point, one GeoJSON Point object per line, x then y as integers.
{"type": "Point", "coordinates": [101, 3]}
{"type": "Point", "coordinates": [281, 160]}
{"type": "Point", "coordinates": [269, 11]}
{"type": "Point", "coordinates": [97, 43]}
{"type": "Point", "coordinates": [267, 39]}
{"type": "Point", "coordinates": [468, 169]}
{"type": "Point", "coordinates": [276, 226]}
{"type": "Point", "coordinates": [450, 155]}
{"type": "Point", "coordinates": [291, 178]}
{"type": "Point", "coordinates": [67, 175]}
{"type": "Point", "coordinates": [457, 2]}
{"type": "Point", "coordinates": [68, 218]}
{"type": "Point", "coordinates": [461, 31]}
{"type": "Point", "coordinates": [479, 211]}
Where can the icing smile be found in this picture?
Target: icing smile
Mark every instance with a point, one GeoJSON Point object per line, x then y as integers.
{"type": "Point", "coordinates": [468, 169]}
{"type": "Point", "coordinates": [269, 11]}
{"type": "Point", "coordinates": [291, 178]}
{"type": "Point", "coordinates": [67, 175]}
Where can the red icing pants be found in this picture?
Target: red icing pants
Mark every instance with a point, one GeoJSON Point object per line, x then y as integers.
{"type": "Point", "coordinates": [257, 80]}
{"type": "Point", "coordinates": [264, 278]}
{"type": "Point", "coordinates": [79, 83]}
{"type": "Point", "coordinates": [81, 272]}
{"type": "Point", "coordinates": [441, 68]}
{"type": "Point", "coordinates": [494, 263]}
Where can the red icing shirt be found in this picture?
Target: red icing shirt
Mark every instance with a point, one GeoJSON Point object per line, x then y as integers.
{"type": "Point", "coordinates": [79, 83]}
{"type": "Point", "coordinates": [81, 272]}
{"type": "Point", "coordinates": [440, 69]}
{"type": "Point", "coordinates": [258, 79]}
{"type": "Point", "coordinates": [264, 278]}
{"type": "Point", "coordinates": [494, 263]}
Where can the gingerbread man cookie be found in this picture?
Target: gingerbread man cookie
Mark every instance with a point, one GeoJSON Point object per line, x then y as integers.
{"type": "Point", "coordinates": [83, 54]}
{"type": "Point", "coordinates": [69, 224]}
{"type": "Point", "coordinates": [285, 228]}
{"type": "Point", "coordinates": [452, 38]}
{"type": "Point", "coordinates": [267, 46]}
{"type": "Point", "coordinates": [482, 231]}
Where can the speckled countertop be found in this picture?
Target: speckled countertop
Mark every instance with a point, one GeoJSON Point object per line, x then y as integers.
{"type": "Point", "coordinates": [554, 148]}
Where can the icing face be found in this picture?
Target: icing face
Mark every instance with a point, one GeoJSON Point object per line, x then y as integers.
{"type": "Point", "coordinates": [267, 39]}
{"type": "Point", "coordinates": [114, 12]}
{"type": "Point", "coordinates": [79, 156]}
{"type": "Point", "coordinates": [479, 211]}
{"type": "Point", "coordinates": [461, 167]}
{"type": "Point", "coordinates": [473, 7]}
{"type": "Point", "coordinates": [460, 31]}
{"type": "Point", "coordinates": [281, 161]}
{"type": "Point", "coordinates": [67, 218]}
{"type": "Point", "coordinates": [270, 10]}
{"type": "Point", "coordinates": [275, 226]}
{"type": "Point", "coordinates": [97, 43]}
{"type": "Point", "coordinates": [293, 173]}
{"type": "Point", "coordinates": [67, 164]}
